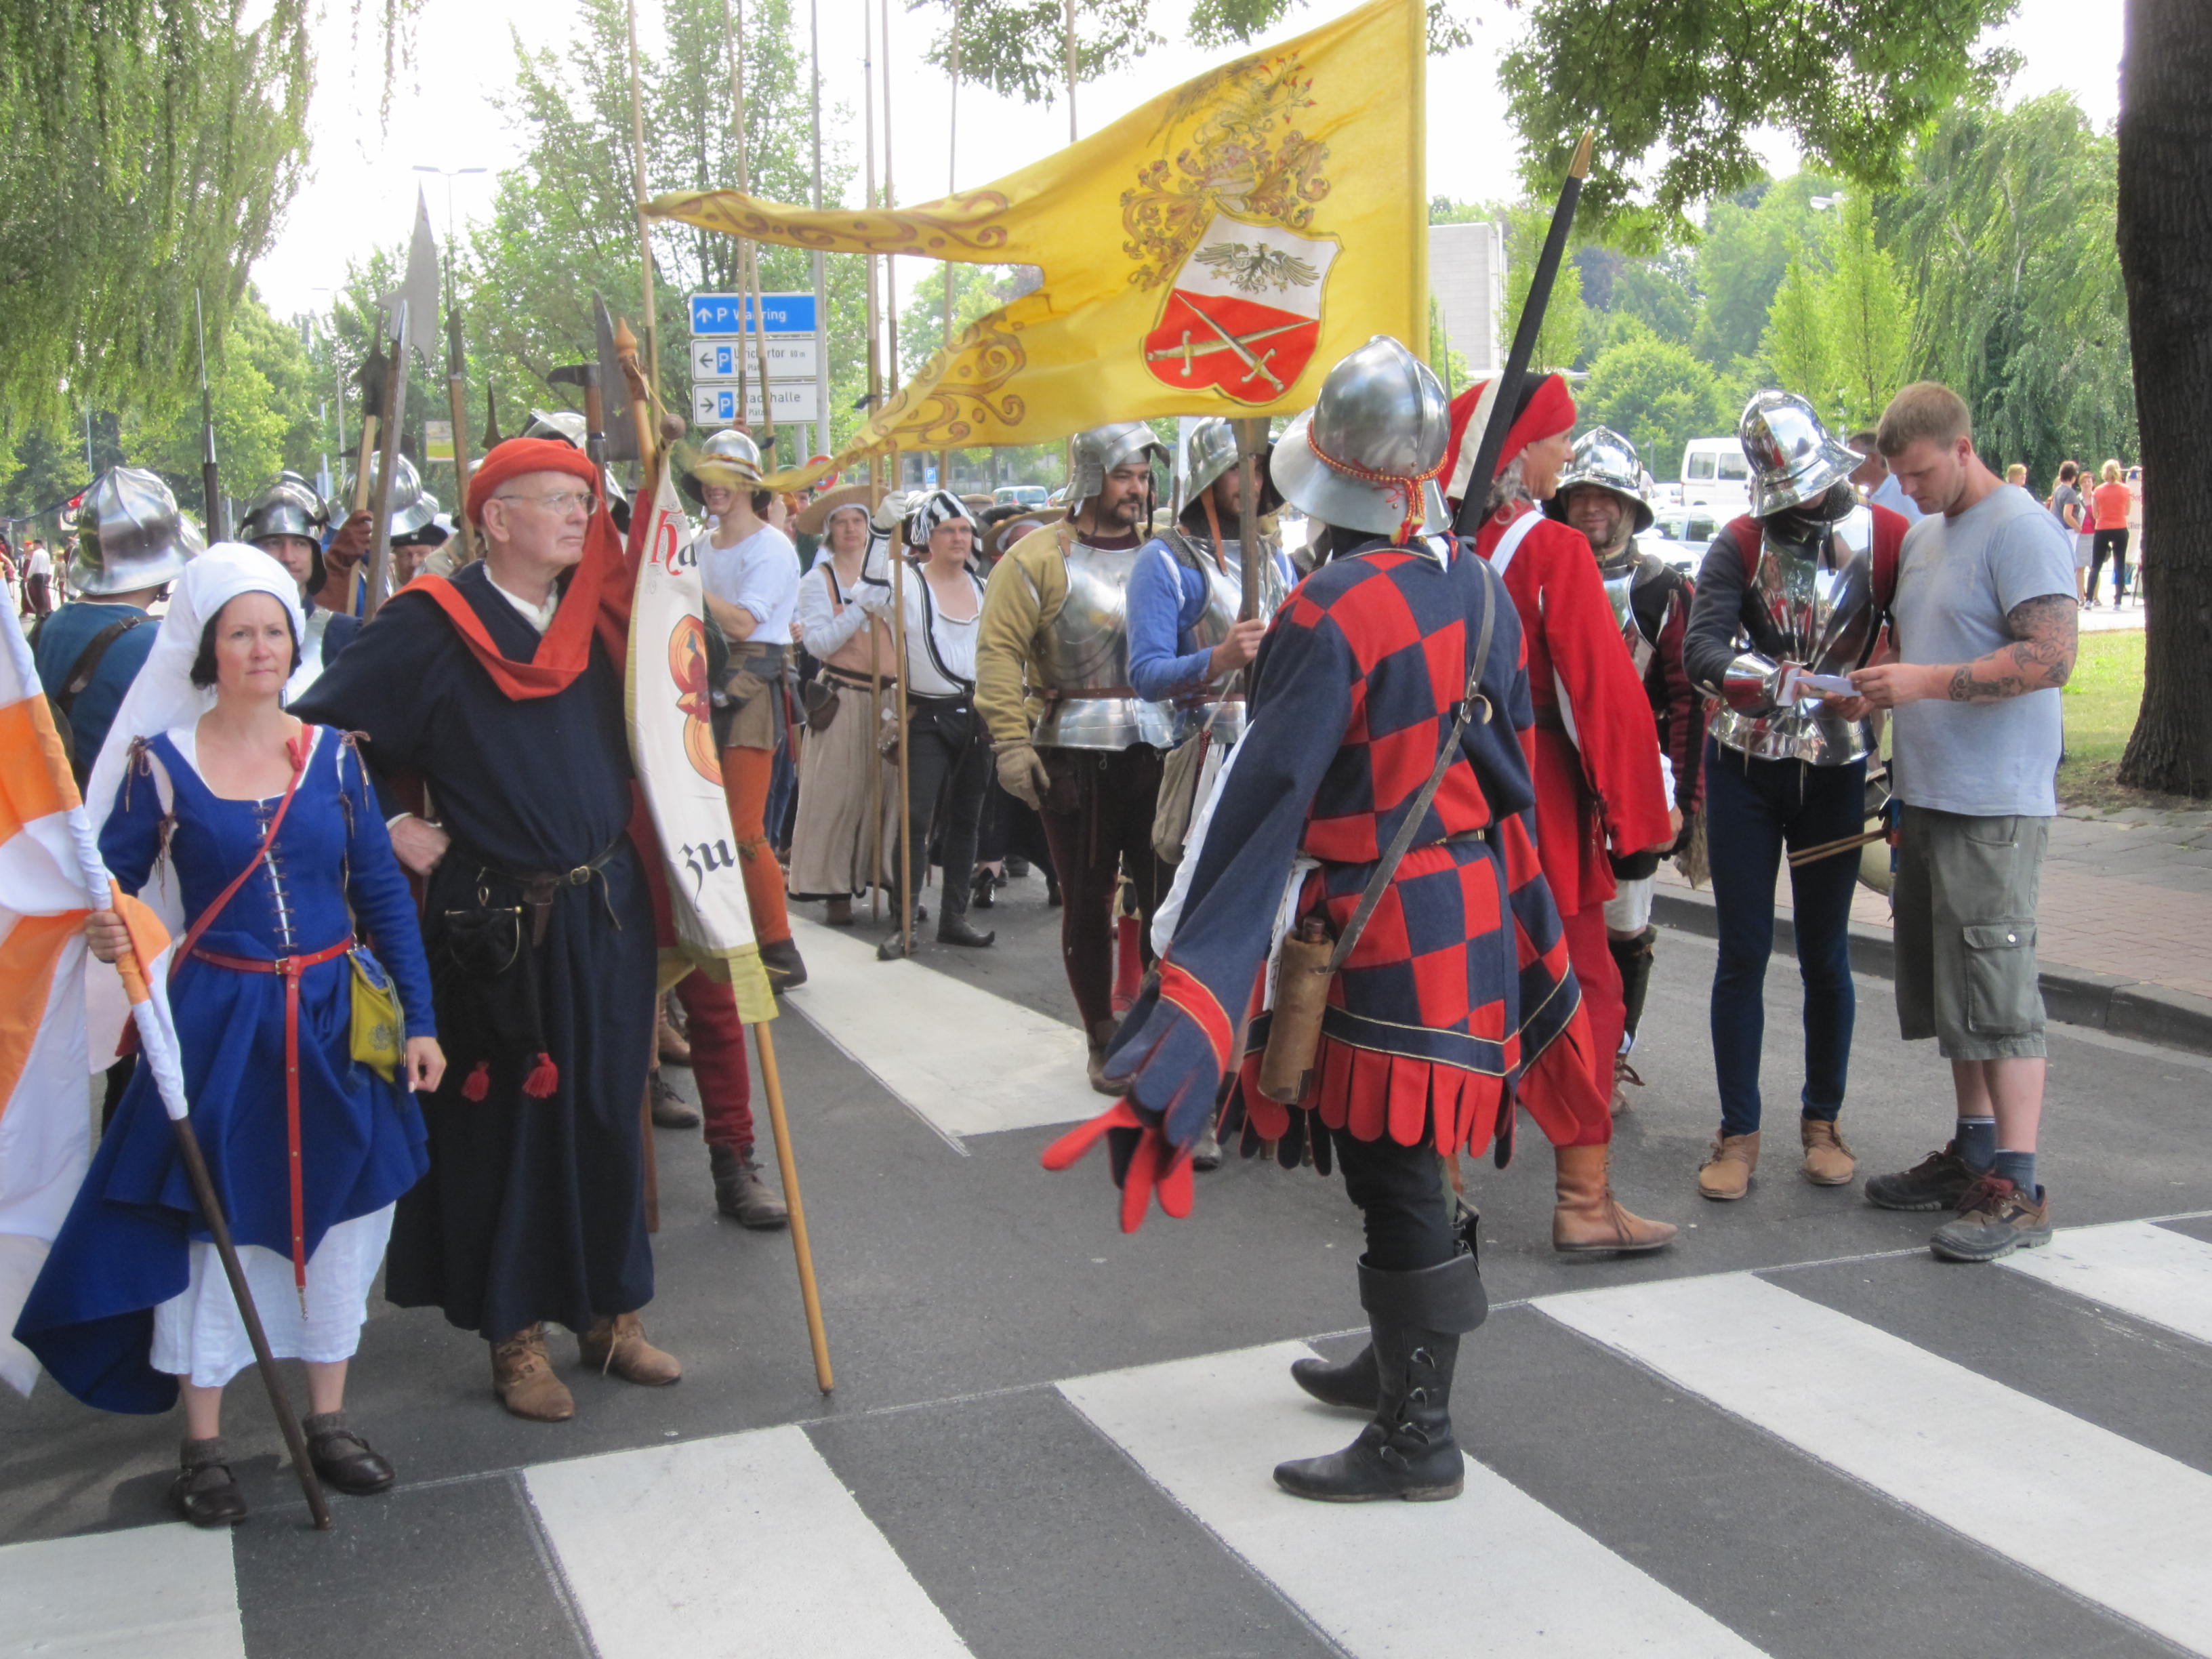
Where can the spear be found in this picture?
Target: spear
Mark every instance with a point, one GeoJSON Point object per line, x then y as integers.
{"type": "Point", "coordinates": [210, 475]}
{"type": "Point", "coordinates": [456, 394]}
{"type": "Point", "coordinates": [1475, 506]}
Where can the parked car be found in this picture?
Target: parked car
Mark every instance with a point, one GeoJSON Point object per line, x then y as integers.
{"type": "Point", "coordinates": [1019, 495]}
{"type": "Point", "coordinates": [1680, 534]}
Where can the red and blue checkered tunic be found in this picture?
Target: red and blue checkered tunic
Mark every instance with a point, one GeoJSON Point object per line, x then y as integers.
{"type": "Point", "coordinates": [1458, 996]}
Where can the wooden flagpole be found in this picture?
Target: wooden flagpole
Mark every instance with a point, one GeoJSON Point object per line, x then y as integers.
{"type": "Point", "coordinates": [644, 224]}
{"type": "Point", "coordinates": [951, 182]}
{"type": "Point", "coordinates": [897, 548]}
{"type": "Point", "coordinates": [748, 251]}
{"type": "Point", "coordinates": [809, 1294]}
{"type": "Point", "coordinates": [876, 469]}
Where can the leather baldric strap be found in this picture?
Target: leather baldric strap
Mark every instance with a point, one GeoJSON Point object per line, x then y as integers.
{"type": "Point", "coordinates": [1379, 883]}
{"type": "Point", "coordinates": [88, 659]}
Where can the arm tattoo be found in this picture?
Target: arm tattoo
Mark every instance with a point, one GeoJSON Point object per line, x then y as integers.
{"type": "Point", "coordinates": [2041, 656]}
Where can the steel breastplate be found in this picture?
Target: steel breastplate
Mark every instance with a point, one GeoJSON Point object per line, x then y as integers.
{"type": "Point", "coordinates": [1222, 714]}
{"type": "Point", "coordinates": [1816, 603]}
{"type": "Point", "coordinates": [1619, 593]}
{"type": "Point", "coordinates": [1084, 654]}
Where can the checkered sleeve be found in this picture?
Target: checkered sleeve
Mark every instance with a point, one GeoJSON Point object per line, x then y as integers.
{"type": "Point", "coordinates": [1183, 1033]}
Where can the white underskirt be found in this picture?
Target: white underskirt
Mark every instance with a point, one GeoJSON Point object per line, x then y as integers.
{"type": "Point", "coordinates": [198, 1334]}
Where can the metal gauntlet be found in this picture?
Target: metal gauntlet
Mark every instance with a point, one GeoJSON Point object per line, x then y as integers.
{"type": "Point", "coordinates": [1753, 683]}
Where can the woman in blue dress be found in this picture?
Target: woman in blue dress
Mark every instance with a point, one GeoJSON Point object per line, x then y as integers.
{"type": "Point", "coordinates": [132, 1308]}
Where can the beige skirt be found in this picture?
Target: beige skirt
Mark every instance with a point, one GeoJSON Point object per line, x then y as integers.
{"type": "Point", "coordinates": [831, 844]}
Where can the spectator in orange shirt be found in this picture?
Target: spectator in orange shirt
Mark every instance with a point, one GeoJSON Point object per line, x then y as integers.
{"type": "Point", "coordinates": [2113, 501]}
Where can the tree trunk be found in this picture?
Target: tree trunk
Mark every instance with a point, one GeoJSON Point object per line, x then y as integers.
{"type": "Point", "coordinates": [2166, 253]}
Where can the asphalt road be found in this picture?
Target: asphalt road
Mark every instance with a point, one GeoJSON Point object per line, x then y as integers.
{"type": "Point", "coordinates": [1792, 1434]}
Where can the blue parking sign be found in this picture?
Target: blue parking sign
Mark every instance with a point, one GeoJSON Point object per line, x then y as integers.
{"type": "Point", "coordinates": [732, 313]}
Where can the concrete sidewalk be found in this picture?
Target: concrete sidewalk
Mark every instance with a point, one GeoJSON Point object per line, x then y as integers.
{"type": "Point", "coordinates": [2124, 934]}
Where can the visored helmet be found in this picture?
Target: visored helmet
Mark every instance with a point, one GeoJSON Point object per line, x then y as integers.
{"type": "Point", "coordinates": [1793, 457]}
{"type": "Point", "coordinates": [1367, 454]}
{"type": "Point", "coordinates": [131, 535]}
{"type": "Point", "coordinates": [1607, 461]}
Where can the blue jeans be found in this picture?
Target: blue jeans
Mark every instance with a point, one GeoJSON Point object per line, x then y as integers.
{"type": "Point", "coordinates": [1754, 809]}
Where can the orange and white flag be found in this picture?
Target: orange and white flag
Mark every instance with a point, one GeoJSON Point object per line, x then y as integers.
{"type": "Point", "coordinates": [60, 1012]}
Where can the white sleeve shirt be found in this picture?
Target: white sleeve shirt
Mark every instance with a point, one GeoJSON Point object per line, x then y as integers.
{"type": "Point", "coordinates": [759, 575]}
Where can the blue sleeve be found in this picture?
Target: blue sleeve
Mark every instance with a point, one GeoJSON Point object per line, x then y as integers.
{"type": "Point", "coordinates": [377, 889]}
{"type": "Point", "coordinates": [1157, 596]}
{"type": "Point", "coordinates": [130, 839]}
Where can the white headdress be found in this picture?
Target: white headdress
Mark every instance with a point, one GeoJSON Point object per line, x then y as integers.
{"type": "Point", "coordinates": [163, 695]}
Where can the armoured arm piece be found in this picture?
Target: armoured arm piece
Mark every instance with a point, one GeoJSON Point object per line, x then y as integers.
{"type": "Point", "coordinates": [1013, 610]}
{"type": "Point", "coordinates": [1752, 683]}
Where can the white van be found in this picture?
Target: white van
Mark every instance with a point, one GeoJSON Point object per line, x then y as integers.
{"type": "Point", "coordinates": [1715, 474]}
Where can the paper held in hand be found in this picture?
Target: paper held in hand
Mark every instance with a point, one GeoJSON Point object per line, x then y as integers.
{"type": "Point", "coordinates": [1800, 684]}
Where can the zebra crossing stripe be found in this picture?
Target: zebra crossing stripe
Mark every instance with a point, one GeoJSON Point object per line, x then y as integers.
{"type": "Point", "coordinates": [2115, 1522]}
{"type": "Point", "coordinates": [745, 1543]}
{"type": "Point", "coordinates": [168, 1591]}
{"type": "Point", "coordinates": [1494, 1567]}
{"type": "Point", "coordinates": [969, 1062]}
{"type": "Point", "coordinates": [2141, 1268]}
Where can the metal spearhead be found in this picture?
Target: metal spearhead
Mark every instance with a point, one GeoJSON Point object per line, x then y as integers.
{"type": "Point", "coordinates": [491, 438]}
{"type": "Point", "coordinates": [456, 358]}
{"type": "Point", "coordinates": [614, 387]}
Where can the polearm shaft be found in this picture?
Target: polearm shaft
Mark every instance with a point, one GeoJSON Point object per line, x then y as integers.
{"type": "Point", "coordinates": [651, 364]}
{"type": "Point", "coordinates": [210, 474]}
{"type": "Point", "coordinates": [1475, 506]}
{"type": "Point", "coordinates": [802, 1247]}
{"type": "Point", "coordinates": [379, 564]}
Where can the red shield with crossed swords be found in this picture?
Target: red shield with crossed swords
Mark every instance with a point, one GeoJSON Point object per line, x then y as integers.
{"type": "Point", "coordinates": [1244, 313]}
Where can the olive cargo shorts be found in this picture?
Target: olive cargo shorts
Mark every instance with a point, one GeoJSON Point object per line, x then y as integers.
{"type": "Point", "coordinates": [1965, 898]}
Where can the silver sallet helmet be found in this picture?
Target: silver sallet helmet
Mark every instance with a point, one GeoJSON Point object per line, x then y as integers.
{"type": "Point", "coordinates": [1793, 457]}
{"type": "Point", "coordinates": [728, 457]}
{"type": "Point", "coordinates": [289, 506]}
{"type": "Point", "coordinates": [1209, 452]}
{"type": "Point", "coordinates": [131, 535]}
{"type": "Point", "coordinates": [569, 428]}
{"type": "Point", "coordinates": [1366, 455]}
{"type": "Point", "coordinates": [1603, 458]}
{"type": "Point", "coordinates": [1094, 453]}
{"type": "Point", "coordinates": [412, 505]}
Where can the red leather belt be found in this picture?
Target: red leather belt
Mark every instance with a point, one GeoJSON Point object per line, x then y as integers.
{"type": "Point", "coordinates": [291, 967]}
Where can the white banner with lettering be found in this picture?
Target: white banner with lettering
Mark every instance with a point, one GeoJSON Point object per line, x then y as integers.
{"type": "Point", "coordinates": [670, 702]}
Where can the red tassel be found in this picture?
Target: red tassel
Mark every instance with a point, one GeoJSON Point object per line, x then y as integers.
{"type": "Point", "coordinates": [478, 1083]}
{"type": "Point", "coordinates": [1128, 964]}
{"type": "Point", "coordinates": [544, 1078]}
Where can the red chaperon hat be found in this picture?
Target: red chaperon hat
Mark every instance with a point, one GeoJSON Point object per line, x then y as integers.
{"type": "Point", "coordinates": [1546, 407]}
{"type": "Point", "coordinates": [598, 596]}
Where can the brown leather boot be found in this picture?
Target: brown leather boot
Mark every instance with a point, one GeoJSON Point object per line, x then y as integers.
{"type": "Point", "coordinates": [1587, 1216]}
{"type": "Point", "coordinates": [1828, 1162]}
{"type": "Point", "coordinates": [675, 1049]}
{"type": "Point", "coordinates": [1102, 1038]}
{"type": "Point", "coordinates": [741, 1192]}
{"type": "Point", "coordinates": [522, 1375]}
{"type": "Point", "coordinates": [1726, 1172]}
{"type": "Point", "coordinates": [616, 1343]}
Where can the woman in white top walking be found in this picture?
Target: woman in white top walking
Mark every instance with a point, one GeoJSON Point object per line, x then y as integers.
{"type": "Point", "coordinates": [948, 757]}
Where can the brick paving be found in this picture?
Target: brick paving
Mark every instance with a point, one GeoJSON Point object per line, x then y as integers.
{"type": "Point", "coordinates": [2128, 894]}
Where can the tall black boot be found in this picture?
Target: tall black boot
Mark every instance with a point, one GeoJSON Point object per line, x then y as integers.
{"type": "Point", "coordinates": [1408, 1452]}
{"type": "Point", "coordinates": [1353, 1384]}
{"type": "Point", "coordinates": [1633, 957]}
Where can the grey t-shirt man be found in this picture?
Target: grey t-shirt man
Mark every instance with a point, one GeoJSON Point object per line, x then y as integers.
{"type": "Point", "coordinates": [1958, 580]}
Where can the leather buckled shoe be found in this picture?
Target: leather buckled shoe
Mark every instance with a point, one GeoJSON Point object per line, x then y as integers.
{"type": "Point", "coordinates": [742, 1193]}
{"type": "Point", "coordinates": [203, 1492]}
{"type": "Point", "coordinates": [616, 1345]}
{"type": "Point", "coordinates": [522, 1375]}
{"type": "Point", "coordinates": [343, 1459]}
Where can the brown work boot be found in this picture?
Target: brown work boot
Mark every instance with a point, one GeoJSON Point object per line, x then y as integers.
{"type": "Point", "coordinates": [1102, 1038]}
{"type": "Point", "coordinates": [741, 1192]}
{"type": "Point", "coordinates": [1587, 1216]}
{"type": "Point", "coordinates": [1828, 1162]}
{"type": "Point", "coordinates": [616, 1343]}
{"type": "Point", "coordinates": [1726, 1173]}
{"type": "Point", "coordinates": [675, 1049]}
{"type": "Point", "coordinates": [1624, 1074]}
{"type": "Point", "coordinates": [838, 912]}
{"type": "Point", "coordinates": [522, 1375]}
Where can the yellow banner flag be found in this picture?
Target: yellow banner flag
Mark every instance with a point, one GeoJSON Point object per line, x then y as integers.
{"type": "Point", "coordinates": [1211, 252]}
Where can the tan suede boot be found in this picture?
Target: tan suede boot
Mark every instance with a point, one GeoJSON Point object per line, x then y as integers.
{"type": "Point", "coordinates": [616, 1343]}
{"type": "Point", "coordinates": [1726, 1173]}
{"type": "Point", "coordinates": [522, 1375]}
{"type": "Point", "coordinates": [1828, 1162]}
{"type": "Point", "coordinates": [1588, 1217]}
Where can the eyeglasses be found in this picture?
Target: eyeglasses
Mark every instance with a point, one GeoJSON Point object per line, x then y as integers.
{"type": "Point", "coordinates": [562, 503]}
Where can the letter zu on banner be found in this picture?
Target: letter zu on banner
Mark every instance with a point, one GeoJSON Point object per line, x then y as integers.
{"type": "Point", "coordinates": [669, 697]}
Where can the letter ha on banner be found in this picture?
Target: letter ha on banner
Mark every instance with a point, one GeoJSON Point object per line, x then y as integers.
{"type": "Point", "coordinates": [670, 701]}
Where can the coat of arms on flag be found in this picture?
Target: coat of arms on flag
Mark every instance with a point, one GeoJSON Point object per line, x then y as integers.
{"type": "Point", "coordinates": [1244, 313]}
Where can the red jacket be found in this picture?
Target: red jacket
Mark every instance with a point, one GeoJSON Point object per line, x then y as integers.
{"type": "Point", "coordinates": [1594, 749]}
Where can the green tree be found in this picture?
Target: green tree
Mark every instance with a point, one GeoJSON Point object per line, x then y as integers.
{"type": "Point", "coordinates": [1748, 242]}
{"type": "Point", "coordinates": [1657, 394]}
{"type": "Point", "coordinates": [264, 406]}
{"type": "Point", "coordinates": [1657, 293]}
{"type": "Point", "coordinates": [1559, 340]}
{"type": "Point", "coordinates": [1869, 321]}
{"type": "Point", "coordinates": [1797, 348]}
{"type": "Point", "coordinates": [2020, 306]}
